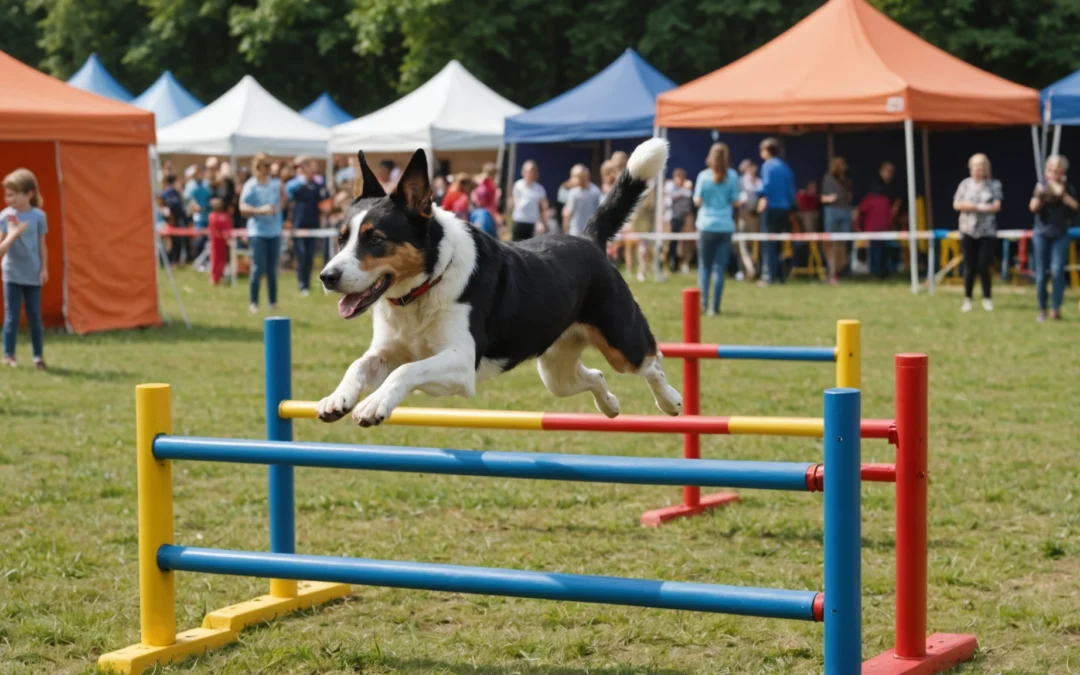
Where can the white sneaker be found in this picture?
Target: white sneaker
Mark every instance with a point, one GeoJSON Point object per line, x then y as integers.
{"type": "Point", "coordinates": [685, 269]}
{"type": "Point", "coordinates": [739, 276]}
{"type": "Point", "coordinates": [966, 307]}
{"type": "Point", "coordinates": [988, 304]}
{"type": "Point", "coordinates": [641, 276]}
{"type": "Point", "coordinates": [711, 312]}
{"type": "Point", "coordinates": [304, 293]}
{"type": "Point", "coordinates": [253, 309]}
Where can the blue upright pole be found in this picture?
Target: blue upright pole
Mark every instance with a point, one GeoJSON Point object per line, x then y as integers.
{"type": "Point", "coordinates": [843, 555]}
{"type": "Point", "coordinates": [278, 356]}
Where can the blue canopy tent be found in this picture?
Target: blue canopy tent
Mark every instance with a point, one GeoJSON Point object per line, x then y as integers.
{"type": "Point", "coordinates": [1060, 106]}
{"type": "Point", "coordinates": [324, 111]}
{"type": "Point", "coordinates": [616, 104]}
{"type": "Point", "coordinates": [168, 100]}
{"type": "Point", "coordinates": [94, 78]}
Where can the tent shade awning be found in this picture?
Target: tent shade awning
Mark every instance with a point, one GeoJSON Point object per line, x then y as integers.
{"type": "Point", "coordinates": [245, 120]}
{"type": "Point", "coordinates": [96, 79]}
{"type": "Point", "coordinates": [451, 111]}
{"type": "Point", "coordinates": [326, 112]}
{"type": "Point", "coordinates": [617, 102]}
{"type": "Point", "coordinates": [1060, 102]}
{"type": "Point", "coordinates": [846, 64]}
{"type": "Point", "coordinates": [168, 100]}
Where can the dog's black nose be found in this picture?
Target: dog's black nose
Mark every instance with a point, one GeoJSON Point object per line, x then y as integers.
{"type": "Point", "coordinates": [330, 277]}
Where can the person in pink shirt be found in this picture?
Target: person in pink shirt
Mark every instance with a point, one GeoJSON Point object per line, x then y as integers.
{"type": "Point", "coordinates": [877, 212]}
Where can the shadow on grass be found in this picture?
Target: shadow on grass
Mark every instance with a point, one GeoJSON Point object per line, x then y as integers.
{"type": "Point", "coordinates": [90, 375]}
{"type": "Point", "coordinates": [174, 333]}
{"type": "Point", "coordinates": [426, 666]}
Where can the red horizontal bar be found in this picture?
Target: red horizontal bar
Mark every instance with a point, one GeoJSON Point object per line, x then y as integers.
{"type": "Point", "coordinates": [868, 473]}
{"type": "Point", "coordinates": [879, 429]}
{"type": "Point", "coordinates": [692, 424]}
{"type": "Point", "coordinates": [687, 350]}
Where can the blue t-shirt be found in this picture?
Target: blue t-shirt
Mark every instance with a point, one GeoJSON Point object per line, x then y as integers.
{"type": "Point", "coordinates": [260, 194]}
{"type": "Point", "coordinates": [777, 184]}
{"type": "Point", "coordinates": [482, 220]}
{"type": "Point", "coordinates": [198, 191]}
{"type": "Point", "coordinates": [717, 201]}
{"type": "Point", "coordinates": [305, 194]}
{"type": "Point", "coordinates": [22, 262]}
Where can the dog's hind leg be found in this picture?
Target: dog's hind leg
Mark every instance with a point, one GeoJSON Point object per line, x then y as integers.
{"type": "Point", "coordinates": [635, 359]}
{"type": "Point", "coordinates": [564, 375]}
{"type": "Point", "coordinates": [667, 399]}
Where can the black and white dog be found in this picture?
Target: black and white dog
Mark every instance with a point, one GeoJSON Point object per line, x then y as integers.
{"type": "Point", "coordinates": [453, 306]}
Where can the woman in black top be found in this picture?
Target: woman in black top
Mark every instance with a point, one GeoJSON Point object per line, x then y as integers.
{"type": "Point", "coordinates": [1054, 204]}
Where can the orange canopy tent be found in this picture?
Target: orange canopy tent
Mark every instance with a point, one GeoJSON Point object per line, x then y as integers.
{"type": "Point", "coordinates": [90, 156]}
{"type": "Point", "coordinates": [847, 65]}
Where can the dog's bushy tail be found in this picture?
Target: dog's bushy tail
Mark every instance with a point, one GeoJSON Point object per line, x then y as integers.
{"type": "Point", "coordinates": [648, 160]}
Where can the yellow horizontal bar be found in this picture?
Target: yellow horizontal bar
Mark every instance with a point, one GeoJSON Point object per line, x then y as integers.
{"type": "Point", "coordinates": [264, 608]}
{"type": "Point", "coordinates": [138, 658]}
{"type": "Point", "coordinates": [436, 417]}
{"type": "Point", "coordinates": [811, 427]}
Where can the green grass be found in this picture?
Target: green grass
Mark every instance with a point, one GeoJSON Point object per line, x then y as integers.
{"type": "Point", "coordinates": [1004, 516]}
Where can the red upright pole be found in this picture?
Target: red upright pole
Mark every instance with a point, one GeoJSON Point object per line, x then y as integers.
{"type": "Point", "coordinates": [912, 410]}
{"type": "Point", "coordinates": [691, 326]}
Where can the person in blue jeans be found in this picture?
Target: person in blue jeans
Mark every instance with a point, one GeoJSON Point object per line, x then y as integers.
{"type": "Point", "coordinates": [25, 265]}
{"type": "Point", "coordinates": [716, 194]}
{"type": "Point", "coordinates": [260, 203]}
{"type": "Point", "coordinates": [777, 201]}
{"type": "Point", "coordinates": [307, 192]}
{"type": "Point", "coordinates": [1054, 204]}
{"type": "Point", "coordinates": [197, 195]}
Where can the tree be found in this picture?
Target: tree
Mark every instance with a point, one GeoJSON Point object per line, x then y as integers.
{"type": "Point", "coordinates": [18, 25]}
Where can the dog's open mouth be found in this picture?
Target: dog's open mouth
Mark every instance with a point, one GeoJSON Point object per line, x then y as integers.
{"type": "Point", "coordinates": [354, 304]}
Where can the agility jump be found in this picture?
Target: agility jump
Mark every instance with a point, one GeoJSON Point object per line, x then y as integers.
{"type": "Point", "coordinates": [328, 577]}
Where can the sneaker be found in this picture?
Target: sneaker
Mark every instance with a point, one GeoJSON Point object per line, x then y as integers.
{"type": "Point", "coordinates": [711, 312]}
{"type": "Point", "coordinates": [966, 306]}
{"type": "Point", "coordinates": [1055, 314]}
{"type": "Point", "coordinates": [8, 361]}
{"type": "Point", "coordinates": [40, 364]}
{"type": "Point", "coordinates": [685, 269]}
{"type": "Point", "coordinates": [641, 276]}
{"type": "Point", "coordinates": [253, 309]}
{"type": "Point", "coordinates": [988, 304]}
{"type": "Point", "coordinates": [273, 308]}
{"type": "Point", "coordinates": [303, 292]}
{"type": "Point", "coordinates": [1042, 316]}
{"type": "Point", "coordinates": [739, 276]}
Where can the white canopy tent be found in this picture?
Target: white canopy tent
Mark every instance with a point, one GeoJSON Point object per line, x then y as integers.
{"type": "Point", "coordinates": [451, 111]}
{"type": "Point", "coordinates": [245, 120]}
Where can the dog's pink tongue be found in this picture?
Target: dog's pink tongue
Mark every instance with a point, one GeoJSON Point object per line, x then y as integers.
{"type": "Point", "coordinates": [346, 307]}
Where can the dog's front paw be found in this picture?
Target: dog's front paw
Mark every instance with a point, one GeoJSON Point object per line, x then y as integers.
{"type": "Point", "coordinates": [376, 408]}
{"type": "Point", "coordinates": [336, 405]}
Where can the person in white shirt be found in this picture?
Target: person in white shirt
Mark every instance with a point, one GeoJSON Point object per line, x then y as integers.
{"type": "Point", "coordinates": [582, 201]}
{"type": "Point", "coordinates": [528, 203]}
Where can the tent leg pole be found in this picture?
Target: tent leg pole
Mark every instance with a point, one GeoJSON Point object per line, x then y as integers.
{"type": "Point", "coordinates": [510, 169]}
{"type": "Point", "coordinates": [913, 248]}
{"type": "Point", "coordinates": [1035, 147]}
{"type": "Point", "coordinates": [172, 282]}
{"type": "Point", "coordinates": [928, 209]}
{"type": "Point", "coordinates": [1056, 145]}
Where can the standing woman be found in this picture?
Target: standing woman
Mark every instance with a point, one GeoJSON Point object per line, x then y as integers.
{"type": "Point", "coordinates": [260, 203]}
{"type": "Point", "coordinates": [836, 198]}
{"type": "Point", "coordinates": [1054, 204]}
{"type": "Point", "coordinates": [716, 194]}
{"type": "Point", "coordinates": [978, 200]}
{"type": "Point", "coordinates": [528, 203]}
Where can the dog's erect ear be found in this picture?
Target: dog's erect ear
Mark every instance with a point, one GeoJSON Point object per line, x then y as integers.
{"type": "Point", "coordinates": [414, 187]}
{"type": "Point", "coordinates": [369, 186]}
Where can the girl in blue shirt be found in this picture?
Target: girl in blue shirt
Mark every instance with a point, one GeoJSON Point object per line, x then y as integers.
{"type": "Point", "coordinates": [716, 194]}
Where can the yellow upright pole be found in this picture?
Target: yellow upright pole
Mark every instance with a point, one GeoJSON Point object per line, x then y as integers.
{"type": "Point", "coordinates": [157, 594]}
{"type": "Point", "coordinates": [848, 354]}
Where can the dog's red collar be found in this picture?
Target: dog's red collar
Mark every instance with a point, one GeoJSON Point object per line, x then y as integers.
{"type": "Point", "coordinates": [416, 292]}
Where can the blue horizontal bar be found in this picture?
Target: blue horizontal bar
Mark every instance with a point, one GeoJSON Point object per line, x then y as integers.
{"type": "Point", "coordinates": [748, 601]}
{"type": "Point", "coordinates": [754, 353]}
{"type": "Point", "coordinates": [581, 468]}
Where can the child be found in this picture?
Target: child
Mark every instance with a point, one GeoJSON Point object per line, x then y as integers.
{"type": "Point", "coordinates": [481, 219]}
{"type": "Point", "coordinates": [220, 225]}
{"type": "Point", "coordinates": [25, 262]}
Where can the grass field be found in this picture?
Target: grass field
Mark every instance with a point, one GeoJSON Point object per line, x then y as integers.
{"type": "Point", "coordinates": [1004, 513]}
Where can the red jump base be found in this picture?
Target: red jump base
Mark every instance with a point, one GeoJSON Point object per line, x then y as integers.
{"type": "Point", "coordinates": [943, 651]}
{"type": "Point", "coordinates": [658, 517]}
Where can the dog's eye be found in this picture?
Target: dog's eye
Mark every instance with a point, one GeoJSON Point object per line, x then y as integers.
{"type": "Point", "coordinates": [375, 239]}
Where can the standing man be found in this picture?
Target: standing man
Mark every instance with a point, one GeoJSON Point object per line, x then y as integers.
{"type": "Point", "coordinates": [197, 199]}
{"type": "Point", "coordinates": [582, 201]}
{"type": "Point", "coordinates": [306, 191]}
{"type": "Point", "coordinates": [777, 200]}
